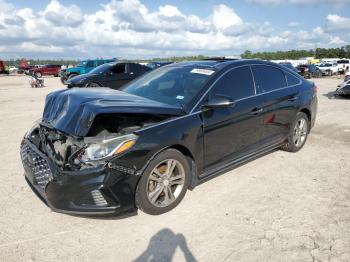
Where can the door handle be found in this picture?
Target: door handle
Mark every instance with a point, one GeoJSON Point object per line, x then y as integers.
{"type": "Point", "coordinates": [256, 111]}
{"type": "Point", "coordinates": [294, 98]}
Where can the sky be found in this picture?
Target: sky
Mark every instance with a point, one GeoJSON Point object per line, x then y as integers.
{"type": "Point", "coordinates": [141, 29]}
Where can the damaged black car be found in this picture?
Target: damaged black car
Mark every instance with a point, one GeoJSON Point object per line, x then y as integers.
{"type": "Point", "coordinates": [104, 151]}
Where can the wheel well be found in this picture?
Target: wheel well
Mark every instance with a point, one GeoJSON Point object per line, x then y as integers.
{"type": "Point", "coordinates": [187, 153]}
{"type": "Point", "coordinates": [306, 112]}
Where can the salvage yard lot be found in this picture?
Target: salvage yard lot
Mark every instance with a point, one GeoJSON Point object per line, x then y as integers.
{"type": "Point", "coordinates": [280, 207]}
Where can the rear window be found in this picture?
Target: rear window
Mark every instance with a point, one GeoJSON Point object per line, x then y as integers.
{"type": "Point", "coordinates": [268, 78]}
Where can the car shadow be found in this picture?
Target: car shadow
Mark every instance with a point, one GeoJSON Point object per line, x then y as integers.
{"type": "Point", "coordinates": [332, 95]}
{"type": "Point", "coordinates": [163, 245]}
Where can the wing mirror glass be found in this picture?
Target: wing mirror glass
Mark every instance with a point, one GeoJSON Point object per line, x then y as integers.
{"type": "Point", "coordinates": [218, 102]}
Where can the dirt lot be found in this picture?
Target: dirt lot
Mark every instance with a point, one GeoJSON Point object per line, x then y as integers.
{"type": "Point", "coordinates": [281, 207]}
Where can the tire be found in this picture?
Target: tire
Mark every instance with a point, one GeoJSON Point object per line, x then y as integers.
{"type": "Point", "coordinates": [71, 76]}
{"type": "Point", "coordinates": [292, 145]}
{"type": "Point", "coordinates": [162, 202]}
{"type": "Point", "coordinates": [92, 85]}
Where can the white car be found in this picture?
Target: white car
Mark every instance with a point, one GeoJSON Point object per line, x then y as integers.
{"type": "Point", "coordinates": [343, 65]}
{"type": "Point", "coordinates": [329, 68]}
{"type": "Point", "coordinates": [12, 69]}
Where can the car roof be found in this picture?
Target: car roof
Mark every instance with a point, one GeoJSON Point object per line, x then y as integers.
{"type": "Point", "coordinates": [222, 63]}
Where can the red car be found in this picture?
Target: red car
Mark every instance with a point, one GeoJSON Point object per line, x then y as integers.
{"type": "Point", "coordinates": [46, 70]}
{"type": "Point", "coordinates": [2, 67]}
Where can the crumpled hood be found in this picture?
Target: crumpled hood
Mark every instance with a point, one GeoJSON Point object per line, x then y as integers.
{"type": "Point", "coordinates": [73, 111]}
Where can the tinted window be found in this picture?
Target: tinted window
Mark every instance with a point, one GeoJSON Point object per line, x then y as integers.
{"type": "Point", "coordinates": [90, 64]}
{"type": "Point", "coordinates": [292, 80]}
{"type": "Point", "coordinates": [236, 84]}
{"type": "Point", "coordinates": [268, 78]}
{"type": "Point", "coordinates": [118, 69]}
{"type": "Point", "coordinates": [135, 68]}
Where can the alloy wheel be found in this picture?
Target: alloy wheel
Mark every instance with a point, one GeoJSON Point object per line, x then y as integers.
{"type": "Point", "coordinates": [165, 183]}
{"type": "Point", "coordinates": [300, 132]}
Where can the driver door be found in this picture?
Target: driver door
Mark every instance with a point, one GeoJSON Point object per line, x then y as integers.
{"type": "Point", "coordinates": [231, 132]}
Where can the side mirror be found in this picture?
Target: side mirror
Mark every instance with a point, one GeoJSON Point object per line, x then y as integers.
{"type": "Point", "coordinates": [219, 102]}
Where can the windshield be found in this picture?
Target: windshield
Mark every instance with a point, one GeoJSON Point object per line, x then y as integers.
{"type": "Point", "coordinates": [100, 69]}
{"type": "Point", "coordinates": [170, 85]}
{"type": "Point", "coordinates": [82, 64]}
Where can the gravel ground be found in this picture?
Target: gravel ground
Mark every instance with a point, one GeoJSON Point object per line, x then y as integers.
{"type": "Point", "coordinates": [280, 207]}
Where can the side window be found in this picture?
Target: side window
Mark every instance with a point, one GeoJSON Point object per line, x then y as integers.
{"type": "Point", "coordinates": [135, 68]}
{"type": "Point", "coordinates": [292, 80]}
{"type": "Point", "coordinates": [100, 62]}
{"type": "Point", "coordinates": [118, 69]}
{"type": "Point", "coordinates": [90, 64]}
{"type": "Point", "coordinates": [236, 84]}
{"type": "Point", "coordinates": [268, 78]}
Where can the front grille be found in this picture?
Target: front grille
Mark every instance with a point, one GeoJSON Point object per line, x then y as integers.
{"type": "Point", "coordinates": [37, 165]}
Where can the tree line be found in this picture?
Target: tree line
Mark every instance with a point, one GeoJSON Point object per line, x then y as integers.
{"type": "Point", "coordinates": [319, 53]}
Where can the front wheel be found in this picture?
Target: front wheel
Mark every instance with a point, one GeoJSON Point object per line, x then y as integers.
{"type": "Point", "coordinates": [92, 85]}
{"type": "Point", "coordinates": [163, 183]}
{"type": "Point", "coordinates": [298, 133]}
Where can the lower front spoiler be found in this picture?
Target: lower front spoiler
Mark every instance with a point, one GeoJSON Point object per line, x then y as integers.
{"type": "Point", "coordinates": [87, 211]}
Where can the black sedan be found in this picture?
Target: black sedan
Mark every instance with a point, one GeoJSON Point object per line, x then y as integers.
{"type": "Point", "coordinates": [102, 151]}
{"type": "Point", "coordinates": [112, 75]}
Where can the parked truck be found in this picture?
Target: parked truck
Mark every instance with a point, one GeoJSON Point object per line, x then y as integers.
{"type": "Point", "coordinates": [83, 67]}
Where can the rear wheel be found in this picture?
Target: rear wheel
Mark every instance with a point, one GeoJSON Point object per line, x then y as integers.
{"type": "Point", "coordinates": [163, 183]}
{"type": "Point", "coordinates": [298, 133]}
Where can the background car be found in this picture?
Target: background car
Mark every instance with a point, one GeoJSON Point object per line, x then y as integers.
{"type": "Point", "coordinates": [309, 71]}
{"type": "Point", "coordinates": [112, 75]}
{"type": "Point", "coordinates": [46, 70]}
{"type": "Point", "coordinates": [3, 69]}
{"type": "Point", "coordinates": [12, 69]}
{"type": "Point", "coordinates": [83, 67]}
{"type": "Point", "coordinates": [343, 65]}
{"type": "Point", "coordinates": [343, 89]}
{"type": "Point", "coordinates": [154, 65]}
{"type": "Point", "coordinates": [329, 69]}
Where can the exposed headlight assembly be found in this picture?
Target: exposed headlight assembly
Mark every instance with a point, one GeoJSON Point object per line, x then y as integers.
{"type": "Point", "coordinates": [108, 147]}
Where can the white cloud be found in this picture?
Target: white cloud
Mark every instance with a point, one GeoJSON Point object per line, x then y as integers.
{"type": "Point", "coordinates": [294, 24]}
{"type": "Point", "coordinates": [127, 28]}
{"type": "Point", "coordinates": [337, 23]}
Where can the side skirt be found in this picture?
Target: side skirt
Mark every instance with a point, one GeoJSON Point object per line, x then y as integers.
{"type": "Point", "coordinates": [237, 162]}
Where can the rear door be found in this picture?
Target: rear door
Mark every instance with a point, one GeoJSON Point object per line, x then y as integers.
{"type": "Point", "coordinates": [231, 132]}
{"type": "Point", "coordinates": [280, 98]}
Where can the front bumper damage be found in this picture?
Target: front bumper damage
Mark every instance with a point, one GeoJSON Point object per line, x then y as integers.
{"type": "Point", "coordinates": [105, 189]}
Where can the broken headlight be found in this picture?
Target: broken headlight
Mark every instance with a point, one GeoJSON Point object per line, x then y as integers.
{"type": "Point", "coordinates": [108, 147]}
